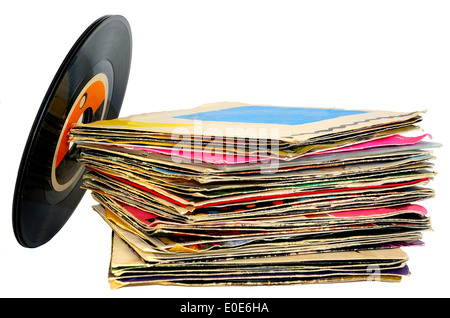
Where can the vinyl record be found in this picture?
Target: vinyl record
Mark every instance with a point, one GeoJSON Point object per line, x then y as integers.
{"type": "Point", "coordinates": [89, 85]}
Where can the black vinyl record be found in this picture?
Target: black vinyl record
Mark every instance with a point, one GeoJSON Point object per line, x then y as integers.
{"type": "Point", "coordinates": [89, 85]}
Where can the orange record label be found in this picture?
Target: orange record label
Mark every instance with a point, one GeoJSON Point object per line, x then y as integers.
{"type": "Point", "coordinates": [91, 96]}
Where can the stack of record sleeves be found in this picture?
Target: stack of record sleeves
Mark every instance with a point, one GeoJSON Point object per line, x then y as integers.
{"type": "Point", "coordinates": [239, 194]}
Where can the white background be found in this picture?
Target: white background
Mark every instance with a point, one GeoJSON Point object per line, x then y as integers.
{"type": "Point", "coordinates": [392, 55]}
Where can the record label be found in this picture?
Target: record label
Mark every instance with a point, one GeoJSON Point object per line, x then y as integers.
{"type": "Point", "coordinates": [90, 101]}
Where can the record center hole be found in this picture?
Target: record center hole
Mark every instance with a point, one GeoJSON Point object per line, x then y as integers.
{"type": "Point", "coordinates": [83, 101]}
{"type": "Point", "coordinates": [86, 117]}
